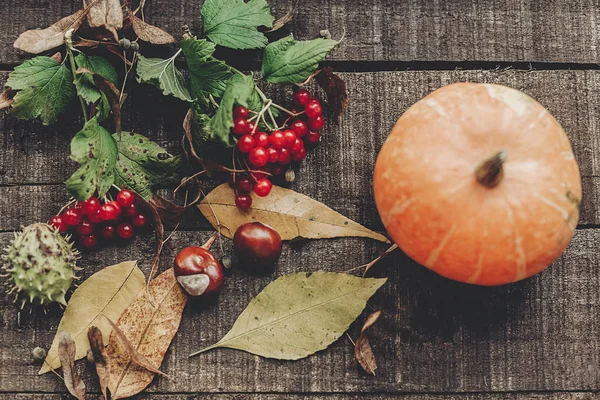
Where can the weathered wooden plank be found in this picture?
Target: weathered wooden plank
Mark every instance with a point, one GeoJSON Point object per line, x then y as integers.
{"type": "Point", "coordinates": [435, 336]}
{"type": "Point", "coordinates": [348, 150]}
{"type": "Point", "coordinates": [385, 30]}
{"type": "Point", "coordinates": [345, 396]}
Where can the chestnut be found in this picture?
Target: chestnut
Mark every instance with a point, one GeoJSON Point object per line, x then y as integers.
{"type": "Point", "coordinates": [198, 271]}
{"type": "Point", "coordinates": [257, 246]}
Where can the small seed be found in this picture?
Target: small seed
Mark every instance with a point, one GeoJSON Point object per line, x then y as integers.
{"type": "Point", "coordinates": [135, 46]}
{"type": "Point", "coordinates": [38, 354]}
{"type": "Point", "coordinates": [125, 43]}
{"type": "Point", "coordinates": [290, 176]}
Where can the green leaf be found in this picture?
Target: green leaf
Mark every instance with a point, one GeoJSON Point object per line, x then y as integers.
{"type": "Point", "coordinates": [234, 23]}
{"type": "Point", "coordinates": [45, 88]}
{"type": "Point", "coordinates": [239, 89]}
{"type": "Point", "coordinates": [163, 74]}
{"type": "Point", "coordinates": [292, 61]}
{"type": "Point", "coordinates": [207, 75]}
{"type": "Point", "coordinates": [96, 152]}
{"type": "Point", "coordinates": [143, 164]}
{"type": "Point", "coordinates": [85, 82]}
{"type": "Point", "coordinates": [299, 314]}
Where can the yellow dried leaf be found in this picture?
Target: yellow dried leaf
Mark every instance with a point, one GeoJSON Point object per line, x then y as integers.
{"type": "Point", "coordinates": [106, 293]}
{"type": "Point", "coordinates": [299, 314]}
{"type": "Point", "coordinates": [149, 327]}
{"type": "Point", "coordinates": [38, 40]}
{"type": "Point", "coordinates": [106, 13]}
{"type": "Point", "coordinates": [150, 33]}
{"type": "Point", "coordinates": [290, 213]}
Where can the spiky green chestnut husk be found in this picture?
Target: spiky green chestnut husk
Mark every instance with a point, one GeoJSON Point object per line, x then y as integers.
{"type": "Point", "coordinates": [40, 265]}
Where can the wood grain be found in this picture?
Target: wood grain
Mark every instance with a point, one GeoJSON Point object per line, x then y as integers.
{"type": "Point", "coordinates": [384, 30]}
{"type": "Point", "coordinates": [348, 149]}
{"type": "Point", "coordinates": [434, 336]}
{"type": "Point", "coordinates": [287, 396]}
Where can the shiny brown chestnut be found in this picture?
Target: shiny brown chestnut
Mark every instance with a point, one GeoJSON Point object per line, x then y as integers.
{"type": "Point", "coordinates": [257, 246]}
{"type": "Point", "coordinates": [198, 271]}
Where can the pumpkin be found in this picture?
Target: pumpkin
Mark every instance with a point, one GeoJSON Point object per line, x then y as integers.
{"type": "Point", "coordinates": [479, 183]}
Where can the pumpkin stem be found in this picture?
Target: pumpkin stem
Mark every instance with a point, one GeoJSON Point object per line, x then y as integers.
{"type": "Point", "coordinates": [490, 172]}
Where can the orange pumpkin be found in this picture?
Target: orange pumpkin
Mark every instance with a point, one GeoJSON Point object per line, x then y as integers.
{"type": "Point", "coordinates": [478, 183]}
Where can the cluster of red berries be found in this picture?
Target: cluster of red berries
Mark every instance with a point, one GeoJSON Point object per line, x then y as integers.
{"type": "Point", "coordinates": [91, 220]}
{"type": "Point", "coordinates": [274, 152]}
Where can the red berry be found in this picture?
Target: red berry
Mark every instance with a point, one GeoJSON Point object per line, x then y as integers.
{"type": "Point", "coordinates": [85, 228]}
{"type": "Point", "coordinates": [301, 97]}
{"type": "Point", "coordinates": [89, 241]}
{"type": "Point", "coordinates": [273, 155]}
{"type": "Point", "coordinates": [244, 184]}
{"type": "Point", "coordinates": [313, 109]}
{"type": "Point", "coordinates": [313, 137]}
{"type": "Point", "coordinates": [285, 156]}
{"type": "Point", "coordinates": [251, 129]}
{"type": "Point", "coordinates": [240, 126]}
{"type": "Point", "coordinates": [95, 218]}
{"type": "Point", "coordinates": [109, 211]}
{"type": "Point", "coordinates": [109, 232]}
{"type": "Point", "coordinates": [289, 138]}
{"type": "Point", "coordinates": [258, 156]}
{"type": "Point", "coordinates": [298, 145]}
{"type": "Point", "coordinates": [299, 155]}
{"type": "Point", "coordinates": [139, 221]}
{"type": "Point", "coordinates": [263, 187]}
{"type": "Point", "coordinates": [262, 139]}
{"type": "Point", "coordinates": [278, 169]}
{"type": "Point", "coordinates": [246, 143]}
{"type": "Point", "coordinates": [117, 206]}
{"type": "Point", "coordinates": [277, 140]}
{"type": "Point", "coordinates": [243, 201]}
{"type": "Point", "coordinates": [90, 206]}
{"type": "Point", "coordinates": [125, 230]}
{"type": "Point", "coordinates": [316, 123]}
{"type": "Point", "coordinates": [58, 223]}
{"type": "Point", "coordinates": [299, 127]}
{"type": "Point", "coordinates": [72, 217]}
{"type": "Point", "coordinates": [131, 211]}
{"type": "Point", "coordinates": [240, 112]}
{"type": "Point", "coordinates": [125, 198]}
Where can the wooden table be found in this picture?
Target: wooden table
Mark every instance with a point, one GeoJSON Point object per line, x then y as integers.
{"type": "Point", "coordinates": [437, 339]}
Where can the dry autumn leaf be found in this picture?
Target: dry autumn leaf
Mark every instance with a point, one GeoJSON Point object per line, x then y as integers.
{"type": "Point", "coordinates": [66, 353]}
{"type": "Point", "coordinates": [100, 358]}
{"type": "Point", "coordinates": [38, 40]}
{"type": "Point", "coordinates": [299, 314]}
{"type": "Point", "coordinates": [6, 98]}
{"type": "Point", "coordinates": [106, 293]}
{"type": "Point", "coordinates": [149, 329]}
{"type": "Point", "coordinates": [106, 13]}
{"type": "Point", "coordinates": [135, 355]}
{"type": "Point", "coordinates": [335, 89]}
{"type": "Point", "coordinates": [150, 33]}
{"type": "Point", "coordinates": [290, 213]}
{"type": "Point", "coordinates": [362, 347]}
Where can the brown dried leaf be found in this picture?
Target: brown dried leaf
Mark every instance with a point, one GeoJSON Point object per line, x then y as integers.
{"type": "Point", "coordinates": [335, 88]}
{"type": "Point", "coordinates": [375, 261]}
{"type": "Point", "coordinates": [290, 213]}
{"type": "Point", "coordinates": [38, 40]}
{"type": "Point", "coordinates": [66, 353]}
{"type": "Point", "coordinates": [362, 347]}
{"type": "Point", "coordinates": [100, 357]}
{"type": "Point", "coordinates": [111, 92]}
{"type": "Point", "coordinates": [135, 356]}
{"type": "Point", "coordinates": [106, 13]}
{"type": "Point", "coordinates": [150, 329]}
{"type": "Point", "coordinates": [57, 57]}
{"type": "Point", "coordinates": [6, 98]}
{"type": "Point", "coordinates": [150, 33]}
{"type": "Point", "coordinates": [286, 18]}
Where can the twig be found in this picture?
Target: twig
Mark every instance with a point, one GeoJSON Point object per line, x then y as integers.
{"type": "Point", "coordinates": [186, 180]}
{"type": "Point", "coordinates": [69, 45]}
{"type": "Point", "coordinates": [127, 71]}
{"type": "Point", "coordinates": [373, 262]}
